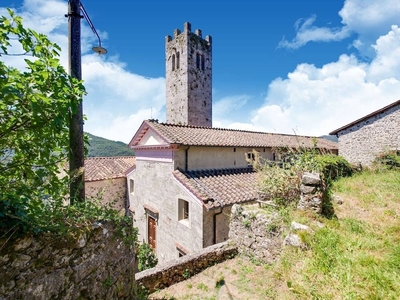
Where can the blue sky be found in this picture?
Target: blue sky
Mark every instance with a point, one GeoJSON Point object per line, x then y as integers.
{"type": "Point", "coordinates": [304, 66]}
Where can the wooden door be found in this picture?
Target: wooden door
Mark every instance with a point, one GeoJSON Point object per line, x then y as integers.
{"type": "Point", "coordinates": [151, 223]}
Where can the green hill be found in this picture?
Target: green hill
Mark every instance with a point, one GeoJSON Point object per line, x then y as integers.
{"type": "Point", "coordinates": [102, 147]}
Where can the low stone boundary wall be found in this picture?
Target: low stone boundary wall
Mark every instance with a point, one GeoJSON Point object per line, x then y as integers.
{"type": "Point", "coordinates": [182, 268]}
{"type": "Point", "coordinates": [94, 265]}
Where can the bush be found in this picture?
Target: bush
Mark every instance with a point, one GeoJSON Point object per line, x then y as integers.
{"type": "Point", "coordinates": [390, 160]}
{"type": "Point", "coordinates": [281, 181]}
{"type": "Point", "coordinates": [146, 257]}
{"type": "Point", "coordinates": [332, 166]}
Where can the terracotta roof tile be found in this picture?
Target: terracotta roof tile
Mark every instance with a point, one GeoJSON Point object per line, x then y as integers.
{"type": "Point", "coordinates": [100, 168]}
{"type": "Point", "coordinates": [209, 136]}
{"type": "Point", "coordinates": [220, 186]}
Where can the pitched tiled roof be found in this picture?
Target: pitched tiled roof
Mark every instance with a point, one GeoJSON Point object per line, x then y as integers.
{"type": "Point", "coordinates": [100, 168]}
{"type": "Point", "coordinates": [383, 109]}
{"type": "Point", "coordinates": [223, 186]}
{"type": "Point", "coordinates": [209, 136]}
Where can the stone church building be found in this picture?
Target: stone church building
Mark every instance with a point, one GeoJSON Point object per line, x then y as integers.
{"type": "Point", "coordinates": [189, 174]}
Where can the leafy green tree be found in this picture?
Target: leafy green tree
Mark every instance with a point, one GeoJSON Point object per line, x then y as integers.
{"type": "Point", "coordinates": [35, 105]}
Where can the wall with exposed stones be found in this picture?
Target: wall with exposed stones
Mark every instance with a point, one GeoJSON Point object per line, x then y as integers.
{"type": "Point", "coordinates": [362, 142]}
{"type": "Point", "coordinates": [311, 193]}
{"type": "Point", "coordinates": [94, 265]}
{"type": "Point", "coordinates": [255, 232]}
{"type": "Point", "coordinates": [188, 66]}
{"type": "Point", "coordinates": [182, 268]}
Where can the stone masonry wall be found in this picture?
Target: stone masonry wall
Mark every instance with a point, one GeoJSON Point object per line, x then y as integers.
{"type": "Point", "coordinates": [180, 269]}
{"type": "Point", "coordinates": [188, 63]}
{"type": "Point", "coordinates": [254, 233]}
{"type": "Point", "coordinates": [157, 191]}
{"type": "Point", "coordinates": [362, 142]}
{"type": "Point", "coordinates": [95, 265]}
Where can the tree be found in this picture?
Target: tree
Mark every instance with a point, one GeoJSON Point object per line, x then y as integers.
{"type": "Point", "coordinates": [35, 105]}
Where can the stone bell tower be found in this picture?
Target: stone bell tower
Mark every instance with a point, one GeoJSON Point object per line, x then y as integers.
{"type": "Point", "coordinates": [188, 63]}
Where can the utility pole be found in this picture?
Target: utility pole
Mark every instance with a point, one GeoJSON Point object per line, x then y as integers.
{"type": "Point", "coordinates": [76, 144]}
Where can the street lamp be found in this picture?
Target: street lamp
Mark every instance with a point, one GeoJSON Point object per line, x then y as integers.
{"type": "Point", "coordinates": [76, 143]}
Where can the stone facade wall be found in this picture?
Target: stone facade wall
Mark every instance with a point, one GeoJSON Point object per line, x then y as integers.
{"type": "Point", "coordinates": [188, 83]}
{"type": "Point", "coordinates": [95, 265]}
{"type": "Point", "coordinates": [110, 191]}
{"type": "Point", "coordinates": [180, 269]}
{"type": "Point", "coordinates": [157, 194]}
{"type": "Point", "coordinates": [362, 142]}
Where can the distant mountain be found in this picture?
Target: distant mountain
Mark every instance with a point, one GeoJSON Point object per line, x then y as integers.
{"type": "Point", "coordinates": [332, 138]}
{"type": "Point", "coordinates": [102, 147]}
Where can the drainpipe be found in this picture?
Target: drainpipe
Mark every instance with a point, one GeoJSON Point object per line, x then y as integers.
{"type": "Point", "coordinates": [216, 198]}
{"type": "Point", "coordinates": [127, 204]}
{"type": "Point", "coordinates": [215, 225]}
{"type": "Point", "coordinates": [186, 158]}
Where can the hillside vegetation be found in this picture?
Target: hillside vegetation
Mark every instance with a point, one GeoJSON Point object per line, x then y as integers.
{"type": "Point", "coordinates": [353, 255]}
{"type": "Point", "coordinates": [101, 147]}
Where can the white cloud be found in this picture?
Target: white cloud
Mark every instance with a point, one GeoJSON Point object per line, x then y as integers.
{"type": "Point", "coordinates": [307, 32]}
{"type": "Point", "coordinates": [118, 100]}
{"type": "Point", "coordinates": [368, 19]}
{"type": "Point", "coordinates": [315, 101]}
{"type": "Point", "coordinates": [226, 105]}
{"type": "Point", "coordinates": [120, 128]}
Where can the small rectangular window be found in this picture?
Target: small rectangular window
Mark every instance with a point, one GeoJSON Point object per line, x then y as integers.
{"type": "Point", "coordinates": [250, 155]}
{"type": "Point", "coordinates": [183, 213]}
{"type": "Point", "coordinates": [197, 60]}
{"type": "Point", "coordinates": [131, 186]}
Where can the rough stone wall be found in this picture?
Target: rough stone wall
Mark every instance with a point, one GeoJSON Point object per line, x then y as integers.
{"type": "Point", "coordinates": [255, 234]}
{"type": "Point", "coordinates": [362, 142]}
{"type": "Point", "coordinates": [156, 188]}
{"type": "Point", "coordinates": [188, 86]}
{"type": "Point", "coordinates": [111, 191]}
{"type": "Point", "coordinates": [311, 193]}
{"type": "Point", "coordinates": [180, 269]}
{"type": "Point", "coordinates": [94, 265]}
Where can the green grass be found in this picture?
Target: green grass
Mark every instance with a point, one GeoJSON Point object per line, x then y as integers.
{"type": "Point", "coordinates": [357, 255]}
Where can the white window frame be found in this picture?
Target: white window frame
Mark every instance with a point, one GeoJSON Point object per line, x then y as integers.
{"type": "Point", "coordinates": [184, 212]}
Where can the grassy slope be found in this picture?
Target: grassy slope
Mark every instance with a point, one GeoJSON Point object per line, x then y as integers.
{"type": "Point", "coordinates": [353, 256]}
{"type": "Point", "coordinates": [101, 147]}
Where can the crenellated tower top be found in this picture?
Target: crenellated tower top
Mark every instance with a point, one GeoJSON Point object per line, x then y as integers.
{"type": "Point", "coordinates": [188, 62]}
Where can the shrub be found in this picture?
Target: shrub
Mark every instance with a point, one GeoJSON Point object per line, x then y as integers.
{"type": "Point", "coordinates": [146, 257]}
{"type": "Point", "coordinates": [333, 166]}
{"type": "Point", "coordinates": [390, 160]}
{"type": "Point", "coordinates": [281, 181]}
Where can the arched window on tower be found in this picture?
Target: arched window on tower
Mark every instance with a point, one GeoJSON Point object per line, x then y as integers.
{"type": "Point", "coordinates": [173, 62]}
{"type": "Point", "coordinates": [202, 62]}
{"type": "Point", "coordinates": [198, 60]}
{"type": "Point", "coordinates": [177, 60]}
